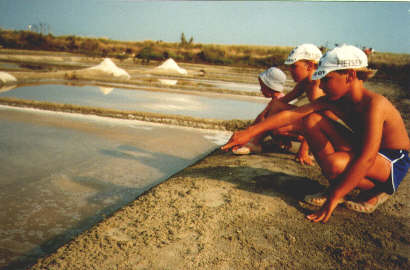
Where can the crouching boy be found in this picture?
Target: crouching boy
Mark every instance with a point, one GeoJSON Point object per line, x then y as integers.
{"type": "Point", "coordinates": [372, 155]}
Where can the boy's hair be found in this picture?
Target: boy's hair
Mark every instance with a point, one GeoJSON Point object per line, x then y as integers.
{"type": "Point", "coordinates": [363, 74]}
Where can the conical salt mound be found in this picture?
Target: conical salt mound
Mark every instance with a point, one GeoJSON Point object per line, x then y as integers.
{"type": "Point", "coordinates": [109, 67]}
{"type": "Point", "coordinates": [171, 66]}
{"type": "Point", "coordinates": [106, 90]}
{"type": "Point", "coordinates": [6, 77]}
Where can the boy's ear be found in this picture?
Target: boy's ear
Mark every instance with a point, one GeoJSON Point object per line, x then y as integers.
{"type": "Point", "coordinates": [309, 65]}
{"type": "Point", "coordinates": [351, 75]}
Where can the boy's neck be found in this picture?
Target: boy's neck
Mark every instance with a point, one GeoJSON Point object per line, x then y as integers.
{"type": "Point", "coordinates": [356, 92]}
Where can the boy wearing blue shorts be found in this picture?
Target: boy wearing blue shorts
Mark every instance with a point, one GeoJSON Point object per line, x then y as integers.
{"type": "Point", "coordinates": [372, 155]}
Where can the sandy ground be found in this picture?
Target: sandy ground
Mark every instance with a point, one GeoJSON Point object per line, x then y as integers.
{"type": "Point", "coordinates": [241, 212]}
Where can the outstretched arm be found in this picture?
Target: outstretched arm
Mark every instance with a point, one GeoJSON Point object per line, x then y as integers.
{"type": "Point", "coordinates": [275, 121]}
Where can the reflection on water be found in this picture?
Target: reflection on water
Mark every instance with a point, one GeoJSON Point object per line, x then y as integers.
{"type": "Point", "coordinates": [140, 100]}
{"type": "Point", "coordinates": [247, 87]}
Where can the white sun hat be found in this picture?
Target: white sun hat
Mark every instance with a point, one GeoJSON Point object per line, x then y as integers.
{"type": "Point", "coordinates": [304, 52]}
{"type": "Point", "coordinates": [274, 78]}
{"type": "Point", "coordinates": [342, 57]}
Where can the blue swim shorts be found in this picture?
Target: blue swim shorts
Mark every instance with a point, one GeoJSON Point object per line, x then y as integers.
{"type": "Point", "coordinates": [400, 164]}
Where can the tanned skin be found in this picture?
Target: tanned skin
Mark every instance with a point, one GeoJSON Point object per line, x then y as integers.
{"type": "Point", "coordinates": [301, 72]}
{"type": "Point", "coordinates": [348, 159]}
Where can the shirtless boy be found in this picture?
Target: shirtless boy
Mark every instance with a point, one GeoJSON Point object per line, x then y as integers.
{"type": "Point", "coordinates": [372, 156]}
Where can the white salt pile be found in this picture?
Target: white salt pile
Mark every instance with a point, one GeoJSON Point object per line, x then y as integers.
{"type": "Point", "coordinates": [168, 82]}
{"type": "Point", "coordinates": [171, 66]}
{"type": "Point", "coordinates": [108, 66]}
{"type": "Point", "coordinates": [6, 77]}
{"type": "Point", "coordinates": [106, 90]}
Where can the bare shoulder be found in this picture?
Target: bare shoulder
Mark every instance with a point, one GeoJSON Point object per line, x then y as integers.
{"type": "Point", "coordinates": [378, 102]}
{"type": "Point", "coordinates": [379, 107]}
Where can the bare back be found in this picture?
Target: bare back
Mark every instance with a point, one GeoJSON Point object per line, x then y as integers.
{"type": "Point", "coordinates": [394, 129]}
{"type": "Point", "coordinates": [376, 110]}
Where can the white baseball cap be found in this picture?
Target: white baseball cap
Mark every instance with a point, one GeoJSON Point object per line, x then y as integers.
{"type": "Point", "coordinates": [274, 78]}
{"type": "Point", "coordinates": [304, 52]}
{"type": "Point", "coordinates": [342, 57]}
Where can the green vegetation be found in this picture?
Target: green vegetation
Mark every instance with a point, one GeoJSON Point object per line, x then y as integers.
{"type": "Point", "coordinates": [390, 66]}
{"type": "Point", "coordinates": [144, 51]}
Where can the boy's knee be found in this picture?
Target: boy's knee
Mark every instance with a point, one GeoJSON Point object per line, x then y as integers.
{"type": "Point", "coordinates": [312, 120]}
{"type": "Point", "coordinates": [333, 168]}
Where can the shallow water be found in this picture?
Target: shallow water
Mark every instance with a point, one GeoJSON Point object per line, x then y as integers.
{"type": "Point", "coordinates": [234, 86]}
{"type": "Point", "coordinates": [246, 87]}
{"type": "Point", "coordinates": [9, 65]}
{"type": "Point", "coordinates": [61, 173]}
{"type": "Point", "coordinates": [221, 107]}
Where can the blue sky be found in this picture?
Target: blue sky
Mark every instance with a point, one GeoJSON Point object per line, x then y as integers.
{"type": "Point", "coordinates": [385, 26]}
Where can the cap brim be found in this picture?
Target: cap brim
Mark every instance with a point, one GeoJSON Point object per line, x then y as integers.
{"type": "Point", "coordinates": [276, 87]}
{"type": "Point", "coordinates": [320, 73]}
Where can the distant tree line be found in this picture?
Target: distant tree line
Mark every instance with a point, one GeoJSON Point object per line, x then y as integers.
{"type": "Point", "coordinates": [390, 66]}
{"type": "Point", "coordinates": [145, 51]}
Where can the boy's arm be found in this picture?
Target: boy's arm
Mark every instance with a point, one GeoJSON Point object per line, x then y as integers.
{"type": "Point", "coordinates": [261, 116]}
{"type": "Point", "coordinates": [357, 170]}
{"type": "Point", "coordinates": [296, 92]}
{"type": "Point", "coordinates": [275, 121]}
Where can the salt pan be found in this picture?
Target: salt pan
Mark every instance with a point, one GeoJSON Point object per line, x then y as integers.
{"type": "Point", "coordinates": [109, 67]}
{"type": "Point", "coordinates": [171, 65]}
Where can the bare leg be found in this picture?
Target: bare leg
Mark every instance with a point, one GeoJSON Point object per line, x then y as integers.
{"type": "Point", "coordinates": [333, 150]}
